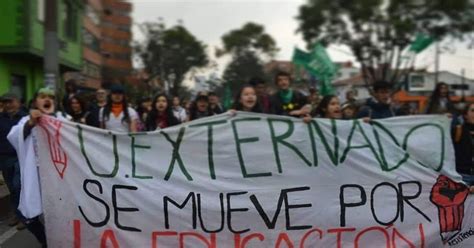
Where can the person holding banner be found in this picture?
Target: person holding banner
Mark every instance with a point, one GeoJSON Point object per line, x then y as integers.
{"type": "Point", "coordinates": [161, 115]}
{"type": "Point", "coordinates": [329, 108]}
{"type": "Point", "coordinates": [200, 107]}
{"type": "Point", "coordinates": [463, 136]}
{"type": "Point", "coordinates": [246, 100]}
{"type": "Point", "coordinates": [21, 138]}
{"type": "Point", "coordinates": [116, 115]}
{"type": "Point", "coordinates": [287, 101]}
{"type": "Point", "coordinates": [379, 106]}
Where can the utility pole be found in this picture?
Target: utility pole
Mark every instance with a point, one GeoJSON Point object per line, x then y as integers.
{"type": "Point", "coordinates": [463, 84]}
{"type": "Point", "coordinates": [436, 62]}
{"type": "Point", "coordinates": [51, 46]}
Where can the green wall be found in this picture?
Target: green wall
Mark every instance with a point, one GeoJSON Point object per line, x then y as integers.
{"type": "Point", "coordinates": [22, 31]}
{"type": "Point", "coordinates": [11, 18]}
{"type": "Point", "coordinates": [71, 52]}
{"type": "Point", "coordinates": [33, 72]}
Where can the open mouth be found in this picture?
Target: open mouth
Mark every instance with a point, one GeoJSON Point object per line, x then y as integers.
{"type": "Point", "coordinates": [47, 105]}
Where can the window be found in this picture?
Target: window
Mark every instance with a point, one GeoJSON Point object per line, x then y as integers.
{"type": "Point", "coordinates": [90, 40]}
{"type": "Point", "coordinates": [121, 56]}
{"type": "Point", "coordinates": [18, 85]}
{"type": "Point", "coordinates": [70, 20]}
{"type": "Point", "coordinates": [459, 87]}
{"type": "Point", "coordinates": [92, 14]}
{"type": "Point", "coordinates": [40, 9]}
{"type": "Point", "coordinates": [90, 69]}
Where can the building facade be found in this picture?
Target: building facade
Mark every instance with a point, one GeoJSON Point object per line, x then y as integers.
{"type": "Point", "coordinates": [22, 43]}
{"type": "Point", "coordinates": [116, 38]}
{"type": "Point", "coordinates": [106, 34]}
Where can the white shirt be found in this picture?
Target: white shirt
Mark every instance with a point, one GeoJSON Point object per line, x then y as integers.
{"type": "Point", "coordinates": [180, 113]}
{"type": "Point", "coordinates": [30, 194]}
{"type": "Point", "coordinates": [115, 123]}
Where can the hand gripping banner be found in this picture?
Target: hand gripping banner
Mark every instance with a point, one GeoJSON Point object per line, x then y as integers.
{"type": "Point", "coordinates": [255, 180]}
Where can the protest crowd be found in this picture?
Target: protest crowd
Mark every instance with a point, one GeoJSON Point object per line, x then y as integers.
{"type": "Point", "coordinates": [111, 110]}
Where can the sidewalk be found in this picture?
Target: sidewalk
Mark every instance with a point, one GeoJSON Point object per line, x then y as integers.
{"type": "Point", "coordinates": [10, 237]}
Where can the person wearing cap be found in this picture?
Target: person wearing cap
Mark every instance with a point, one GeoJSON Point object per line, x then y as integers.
{"type": "Point", "coordinates": [287, 101]}
{"type": "Point", "coordinates": [9, 163]}
{"type": "Point", "coordinates": [200, 108]}
{"type": "Point", "coordinates": [348, 111]}
{"type": "Point", "coordinates": [116, 115]}
{"type": "Point", "coordinates": [379, 106]}
{"type": "Point", "coordinates": [21, 137]}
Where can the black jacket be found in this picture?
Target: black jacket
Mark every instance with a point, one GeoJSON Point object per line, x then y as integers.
{"type": "Point", "coordinates": [376, 110]}
{"type": "Point", "coordinates": [278, 108]}
{"type": "Point", "coordinates": [464, 148]}
{"type": "Point", "coordinates": [6, 124]}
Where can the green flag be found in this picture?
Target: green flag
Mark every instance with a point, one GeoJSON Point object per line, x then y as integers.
{"type": "Point", "coordinates": [420, 43]}
{"type": "Point", "coordinates": [227, 101]}
{"type": "Point", "coordinates": [319, 64]}
{"type": "Point", "coordinates": [300, 59]}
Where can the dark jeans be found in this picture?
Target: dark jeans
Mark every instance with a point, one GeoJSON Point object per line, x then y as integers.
{"type": "Point", "coordinates": [11, 173]}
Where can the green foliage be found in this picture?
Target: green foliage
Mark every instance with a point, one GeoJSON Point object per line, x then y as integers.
{"type": "Point", "coordinates": [249, 47]}
{"type": "Point", "coordinates": [377, 31]}
{"type": "Point", "coordinates": [250, 38]}
{"type": "Point", "coordinates": [241, 69]}
{"type": "Point", "coordinates": [170, 53]}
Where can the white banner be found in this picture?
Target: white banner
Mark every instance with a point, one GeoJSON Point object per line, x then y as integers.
{"type": "Point", "coordinates": [255, 181]}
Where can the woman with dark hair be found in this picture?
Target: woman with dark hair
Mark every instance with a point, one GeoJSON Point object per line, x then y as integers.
{"type": "Point", "coordinates": [199, 108]}
{"type": "Point", "coordinates": [439, 102]}
{"type": "Point", "coordinates": [246, 100]}
{"type": "Point", "coordinates": [70, 88]}
{"type": "Point", "coordinates": [463, 139]}
{"type": "Point", "coordinates": [161, 114]}
{"type": "Point", "coordinates": [329, 107]}
{"type": "Point", "coordinates": [77, 110]}
{"type": "Point", "coordinates": [116, 115]}
{"type": "Point", "coordinates": [144, 106]}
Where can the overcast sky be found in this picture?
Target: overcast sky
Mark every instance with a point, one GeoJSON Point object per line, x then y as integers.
{"type": "Point", "coordinates": [208, 20]}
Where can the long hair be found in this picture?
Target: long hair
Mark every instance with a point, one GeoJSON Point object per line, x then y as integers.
{"type": "Point", "coordinates": [238, 106]}
{"type": "Point", "coordinates": [108, 108]}
{"type": "Point", "coordinates": [81, 102]}
{"type": "Point", "coordinates": [322, 108]}
{"type": "Point", "coordinates": [193, 109]}
{"type": "Point", "coordinates": [140, 110]}
{"type": "Point", "coordinates": [151, 118]}
{"type": "Point", "coordinates": [436, 95]}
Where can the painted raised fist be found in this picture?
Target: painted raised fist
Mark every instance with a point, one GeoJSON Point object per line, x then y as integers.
{"type": "Point", "coordinates": [449, 197]}
{"type": "Point", "coordinates": [52, 129]}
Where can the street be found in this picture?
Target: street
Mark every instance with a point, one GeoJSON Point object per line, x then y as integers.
{"type": "Point", "coordinates": [9, 236]}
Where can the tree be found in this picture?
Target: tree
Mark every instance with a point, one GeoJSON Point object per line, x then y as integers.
{"type": "Point", "coordinates": [378, 31]}
{"type": "Point", "coordinates": [170, 53]}
{"type": "Point", "coordinates": [241, 69]}
{"type": "Point", "coordinates": [249, 47]}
